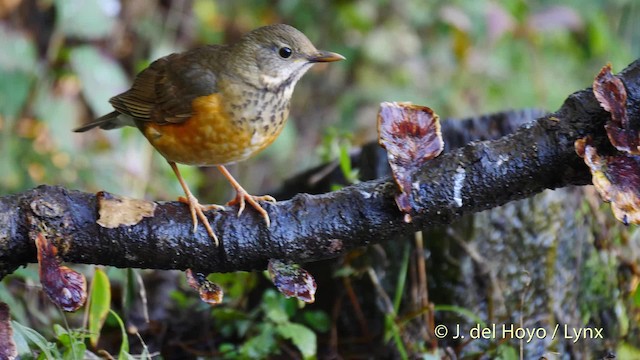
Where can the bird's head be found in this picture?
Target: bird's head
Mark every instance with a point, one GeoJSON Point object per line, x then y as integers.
{"type": "Point", "coordinates": [275, 57]}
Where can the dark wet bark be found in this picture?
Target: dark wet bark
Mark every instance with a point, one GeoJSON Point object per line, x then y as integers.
{"type": "Point", "coordinates": [371, 159]}
{"type": "Point", "coordinates": [478, 176]}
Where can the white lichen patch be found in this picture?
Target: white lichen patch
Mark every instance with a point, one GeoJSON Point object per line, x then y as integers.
{"type": "Point", "coordinates": [458, 182]}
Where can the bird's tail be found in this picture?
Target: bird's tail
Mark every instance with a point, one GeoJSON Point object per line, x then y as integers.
{"type": "Point", "coordinates": [110, 121]}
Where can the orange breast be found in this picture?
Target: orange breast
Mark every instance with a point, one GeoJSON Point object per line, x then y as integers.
{"type": "Point", "coordinates": [209, 137]}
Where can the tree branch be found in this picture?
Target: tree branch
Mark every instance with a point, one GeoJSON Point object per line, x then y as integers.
{"type": "Point", "coordinates": [371, 158]}
{"type": "Point", "coordinates": [478, 176]}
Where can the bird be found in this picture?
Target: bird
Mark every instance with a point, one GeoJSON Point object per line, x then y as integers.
{"type": "Point", "coordinates": [216, 105]}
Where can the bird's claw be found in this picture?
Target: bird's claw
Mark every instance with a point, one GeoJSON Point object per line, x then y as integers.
{"type": "Point", "coordinates": [242, 197]}
{"type": "Point", "coordinates": [197, 211]}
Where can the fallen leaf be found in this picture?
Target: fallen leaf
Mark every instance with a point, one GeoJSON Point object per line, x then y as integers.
{"type": "Point", "coordinates": [617, 180]}
{"type": "Point", "coordinates": [292, 280]}
{"type": "Point", "coordinates": [612, 96]}
{"type": "Point", "coordinates": [115, 210]}
{"type": "Point", "coordinates": [209, 292]}
{"type": "Point", "coordinates": [411, 135]}
{"type": "Point", "coordinates": [64, 286]}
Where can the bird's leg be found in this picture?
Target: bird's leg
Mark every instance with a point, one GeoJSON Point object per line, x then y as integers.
{"type": "Point", "coordinates": [197, 210]}
{"type": "Point", "coordinates": [242, 195]}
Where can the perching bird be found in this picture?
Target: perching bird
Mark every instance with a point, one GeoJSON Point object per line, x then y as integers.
{"type": "Point", "coordinates": [217, 104]}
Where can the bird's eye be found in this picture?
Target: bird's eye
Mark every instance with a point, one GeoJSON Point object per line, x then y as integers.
{"type": "Point", "coordinates": [285, 52]}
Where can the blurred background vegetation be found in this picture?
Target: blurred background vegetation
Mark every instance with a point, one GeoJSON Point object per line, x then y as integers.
{"type": "Point", "coordinates": [61, 60]}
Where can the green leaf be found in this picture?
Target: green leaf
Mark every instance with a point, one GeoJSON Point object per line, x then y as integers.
{"type": "Point", "coordinates": [402, 277]}
{"type": "Point", "coordinates": [86, 19]}
{"type": "Point", "coordinates": [72, 342]}
{"type": "Point", "coordinates": [17, 71]}
{"type": "Point", "coordinates": [301, 336]}
{"type": "Point", "coordinates": [61, 114]}
{"type": "Point", "coordinates": [318, 320]}
{"type": "Point", "coordinates": [100, 75]}
{"type": "Point", "coordinates": [259, 346]}
{"type": "Point", "coordinates": [21, 342]}
{"type": "Point", "coordinates": [345, 160]}
{"type": "Point", "coordinates": [100, 302]}
{"type": "Point", "coordinates": [14, 91]}
{"type": "Point", "coordinates": [229, 351]}
{"type": "Point", "coordinates": [123, 354]}
{"type": "Point", "coordinates": [76, 351]}
{"type": "Point", "coordinates": [62, 335]}
{"type": "Point", "coordinates": [392, 330]}
{"type": "Point", "coordinates": [18, 51]}
{"type": "Point", "coordinates": [273, 306]}
{"type": "Point", "coordinates": [636, 296]}
{"type": "Point", "coordinates": [48, 349]}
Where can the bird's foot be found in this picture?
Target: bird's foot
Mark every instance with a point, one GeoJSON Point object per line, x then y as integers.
{"type": "Point", "coordinates": [242, 196]}
{"type": "Point", "coordinates": [197, 212]}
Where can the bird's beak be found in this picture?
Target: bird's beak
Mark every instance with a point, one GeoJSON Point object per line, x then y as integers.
{"type": "Point", "coordinates": [325, 56]}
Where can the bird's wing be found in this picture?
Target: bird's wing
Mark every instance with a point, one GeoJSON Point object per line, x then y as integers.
{"type": "Point", "coordinates": [163, 92]}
